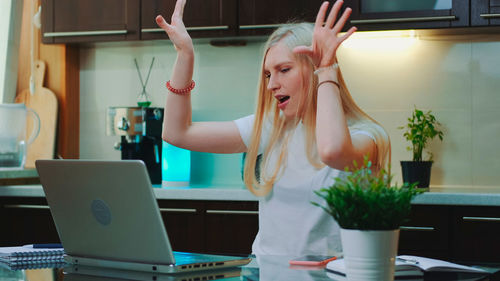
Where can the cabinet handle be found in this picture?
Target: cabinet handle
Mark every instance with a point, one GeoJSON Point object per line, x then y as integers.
{"type": "Point", "coordinates": [85, 33]}
{"type": "Point", "coordinates": [417, 228]}
{"type": "Point", "coordinates": [177, 210]}
{"type": "Point", "coordinates": [396, 20]}
{"type": "Point", "coordinates": [26, 206]}
{"type": "Point", "coordinates": [192, 28]}
{"type": "Point", "coordinates": [261, 26]}
{"type": "Point", "coordinates": [481, 219]}
{"type": "Point", "coordinates": [232, 212]}
{"type": "Point", "coordinates": [489, 16]}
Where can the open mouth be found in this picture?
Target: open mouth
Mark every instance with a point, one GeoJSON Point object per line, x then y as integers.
{"type": "Point", "coordinates": [282, 99]}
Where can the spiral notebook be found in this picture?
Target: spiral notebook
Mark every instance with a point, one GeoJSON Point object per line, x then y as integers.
{"type": "Point", "coordinates": [34, 264]}
{"type": "Point", "coordinates": [29, 253]}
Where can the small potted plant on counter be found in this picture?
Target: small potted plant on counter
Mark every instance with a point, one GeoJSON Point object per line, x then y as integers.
{"type": "Point", "coordinates": [422, 127]}
{"type": "Point", "coordinates": [369, 211]}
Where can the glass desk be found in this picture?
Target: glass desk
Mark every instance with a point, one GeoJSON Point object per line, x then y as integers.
{"type": "Point", "coordinates": [264, 268]}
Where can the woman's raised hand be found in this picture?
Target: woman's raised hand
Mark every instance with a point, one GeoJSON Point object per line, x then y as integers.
{"type": "Point", "coordinates": [325, 36]}
{"type": "Point", "coordinates": [176, 30]}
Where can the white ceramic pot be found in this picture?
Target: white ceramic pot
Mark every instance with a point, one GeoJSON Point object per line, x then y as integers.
{"type": "Point", "coordinates": [369, 254]}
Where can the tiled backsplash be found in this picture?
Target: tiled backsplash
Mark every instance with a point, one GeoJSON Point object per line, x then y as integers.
{"type": "Point", "coordinates": [458, 79]}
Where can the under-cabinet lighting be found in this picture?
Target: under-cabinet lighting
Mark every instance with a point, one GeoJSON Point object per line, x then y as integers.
{"type": "Point", "coordinates": [387, 41]}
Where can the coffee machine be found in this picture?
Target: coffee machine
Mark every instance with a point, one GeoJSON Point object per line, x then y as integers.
{"type": "Point", "coordinates": [140, 130]}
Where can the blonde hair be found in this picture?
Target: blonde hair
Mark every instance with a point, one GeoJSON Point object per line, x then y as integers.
{"type": "Point", "coordinates": [293, 35]}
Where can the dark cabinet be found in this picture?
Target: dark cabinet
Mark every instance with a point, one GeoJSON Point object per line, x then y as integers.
{"type": "Point", "coordinates": [26, 221]}
{"type": "Point", "coordinates": [476, 234]}
{"type": "Point", "coordinates": [458, 233]}
{"type": "Point", "coordinates": [257, 17]}
{"type": "Point", "coordinates": [427, 232]}
{"type": "Point", "coordinates": [73, 21]}
{"type": "Point", "coordinates": [202, 18]}
{"type": "Point", "coordinates": [485, 13]}
{"type": "Point", "coordinates": [230, 227]}
{"type": "Point", "coordinates": [184, 223]}
{"type": "Point", "coordinates": [385, 15]}
{"type": "Point", "coordinates": [217, 227]}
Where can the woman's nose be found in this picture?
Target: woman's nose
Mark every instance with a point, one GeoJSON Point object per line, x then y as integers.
{"type": "Point", "coordinates": [272, 84]}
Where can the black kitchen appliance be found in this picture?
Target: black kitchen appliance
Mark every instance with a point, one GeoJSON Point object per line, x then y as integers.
{"type": "Point", "coordinates": [140, 130]}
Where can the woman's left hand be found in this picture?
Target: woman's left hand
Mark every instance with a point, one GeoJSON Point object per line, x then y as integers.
{"type": "Point", "coordinates": [325, 35]}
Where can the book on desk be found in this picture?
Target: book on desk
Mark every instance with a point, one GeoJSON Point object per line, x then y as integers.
{"type": "Point", "coordinates": [407, 268]}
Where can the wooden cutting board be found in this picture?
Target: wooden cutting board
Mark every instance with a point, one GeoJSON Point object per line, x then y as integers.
{"type": "Point", "coordinates": [44, 103]}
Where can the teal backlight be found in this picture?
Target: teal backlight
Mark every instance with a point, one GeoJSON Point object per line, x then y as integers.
{"type": "Point", "coordinates": [176, 165]}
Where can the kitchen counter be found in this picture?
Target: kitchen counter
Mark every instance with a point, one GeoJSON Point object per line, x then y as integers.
{"type": "Point", "coordinates": [17, 177]}
{"type": "Point", "coordinates": [24, 173]}
{"type": "Point", "coordinates": [471, 196]}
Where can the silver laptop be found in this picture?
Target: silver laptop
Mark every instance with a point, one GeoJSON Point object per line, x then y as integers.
{"type": "Point", "coordinates": [106, 215]}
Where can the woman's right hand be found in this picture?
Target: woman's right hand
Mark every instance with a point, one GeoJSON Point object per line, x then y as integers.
{"type": "Point", "coordinates": [176, 30]}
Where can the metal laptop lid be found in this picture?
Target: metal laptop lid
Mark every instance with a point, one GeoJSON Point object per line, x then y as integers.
{"type": "Point", "coordinates": [105, 210]}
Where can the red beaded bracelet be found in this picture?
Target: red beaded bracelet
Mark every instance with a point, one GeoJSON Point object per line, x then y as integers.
{"type": "Point", "coordinates": [184, 91]}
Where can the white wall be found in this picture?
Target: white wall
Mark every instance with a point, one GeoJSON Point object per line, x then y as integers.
{"type": "Point", "coordinates": [457, 78]}
{"type": "Point", "coordinates": [10, 27]}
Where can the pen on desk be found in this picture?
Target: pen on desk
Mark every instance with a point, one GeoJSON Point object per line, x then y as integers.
{"type": "Point", "coordinates": [407, 260]}
{"type": "Point", "coordinates": [47, 245]}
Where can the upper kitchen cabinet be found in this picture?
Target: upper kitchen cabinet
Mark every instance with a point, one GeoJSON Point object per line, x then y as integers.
{"type": "Point", "coordinates": [485, 13]}
{"type": "Point", "coordinates": [259, 17]}
{"type": "Point", "coordinates": [421, 14]}
{"type": "Point", "coordinates": [202, 18]}
{"type": "Point", "coordinates": [74, 21]}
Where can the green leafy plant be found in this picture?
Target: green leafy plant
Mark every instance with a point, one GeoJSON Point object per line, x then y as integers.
{"type": "Point", "coordinates": [421, 128]}
{"type": "Point", "coordinates": [366, 201]}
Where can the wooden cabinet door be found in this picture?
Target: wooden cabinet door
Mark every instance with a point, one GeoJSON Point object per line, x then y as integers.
{"type": "Point", "coordinates": [26, 221]}
{"type": "Point", "coordinates": [427, 232]}
{"type": "Point", "coordinates": [183, 220]}
{"type": "Point", "coordinates": [476, 234]}
{"type": "Point", "coordinates": [231, 227]}
{"type": "Point", "coordinates": [259, 17]}
{"type": "Point", "coordinates": [485, 12]}
{"type": "Point", "coordinates": [72, 21]}
{"type": "Point", "coordinates": [385, 15]}
{"type": "Point", "coordinates": [202, 18]}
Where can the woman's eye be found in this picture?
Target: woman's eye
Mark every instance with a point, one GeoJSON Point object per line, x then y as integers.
{"type": "Point", "coordinates": [284, 70]}
{"type": "Point", "coordinates": [267, 75]}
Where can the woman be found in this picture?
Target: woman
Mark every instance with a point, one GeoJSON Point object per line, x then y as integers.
{"type": "Point", "coordinates": [306, 126]}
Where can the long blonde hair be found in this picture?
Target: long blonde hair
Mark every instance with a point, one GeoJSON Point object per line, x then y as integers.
{"type": "Point", "coordinates": [293, 35]}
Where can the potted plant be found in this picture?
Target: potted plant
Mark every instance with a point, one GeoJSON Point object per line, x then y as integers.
{"type": "Point", "coordinates": [369, 211]}
{"type": "Point", "coordinates": [421, 128]}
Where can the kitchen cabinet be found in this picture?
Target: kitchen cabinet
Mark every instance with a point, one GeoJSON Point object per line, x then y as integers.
{"type": "Point", "coordinates": [202, 18]}
{"type": "Point", "coordinates": [456, 233]}
{"type": "Point", "coordinates": [259, 17]}
{"type": "Point", "coordinates": [459, 233]}
{"type": "Point", "coordinates": [427, 232]}
{"type": "Point", "coordinates": [74, 21]}
{"type": "Point", "coordinates": [485, 13]}
{"type": "Point", "coordinates": [476, 233]}
{"type": "Point", "coordinates": [216, 227]}
{"type": "Point", "coordinates": [230, 227]}
{"type": "Point", "coordinates": [221, 227]}
{"type": "Point", "coordinates": [26, 220]}
{"type": "Point", "coordinates": [424, 14]}
{"type": "Point", "coordinates": [184, 223]}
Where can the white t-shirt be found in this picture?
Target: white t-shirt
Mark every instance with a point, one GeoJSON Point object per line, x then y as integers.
{"type": "Point", "coordinates": [288, 223]}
